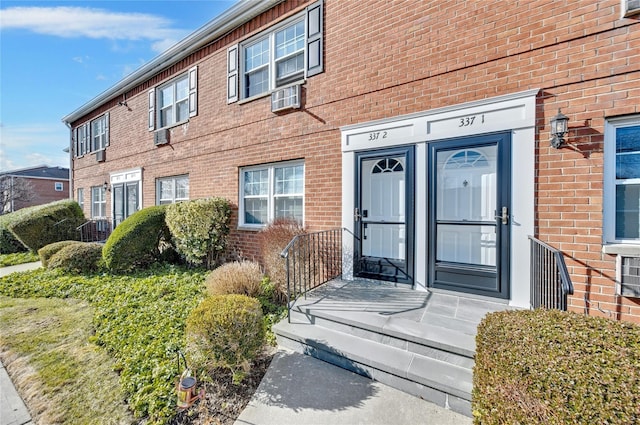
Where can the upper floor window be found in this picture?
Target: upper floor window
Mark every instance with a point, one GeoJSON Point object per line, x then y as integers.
{"type": "Point", "coordinates": [622, 180]}
{"type": "Point", "coordinates": [170, 190]}
{"type": "Point", "coordinates": [91, 136]}
{"type": "Point", "coordinates": [285, 53]}
{"type": "Point", "coordinates": [99, 133]}
{"type": "Point", "coordinates": [59, 186]}
{"type": "Point", "coordinates": [271, 191]}
{"type": "Point", "coordinates": [174, 102]}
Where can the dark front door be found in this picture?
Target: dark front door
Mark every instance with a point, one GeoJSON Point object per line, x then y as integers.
{"type": "Point", "coordinates": [125, 201]}
{"type": "Point", "coordinates": [384, 215]}
{"type": "Point", "coordinates": [469, 217]}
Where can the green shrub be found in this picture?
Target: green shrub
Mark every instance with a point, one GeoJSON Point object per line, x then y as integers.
{"type": "Point", "coordinates": [554, 367]}
{"type": "Point", "coordinates": [8, 242]}
{"type": "Point", "coordinates": [136, 241]}
{"type": "Point", "coordinates": [273, 239]}
{"type": "Point", "coordinates": [45, 224]}
{"type": "Point", "coordinates": [47, 251]}
{"type": "Point", "coordinates": [225, 331]}
{"type": "Point", "coordinates": [78, 257]}
{"type": "Point", "coordinates": [199, 229]}
{"type": "Point", "coordinates": [139, 319]}
{"type": "Point", "coordinates": [238, 277]}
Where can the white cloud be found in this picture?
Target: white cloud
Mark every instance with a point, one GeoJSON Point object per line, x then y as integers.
{"type": "Point", "coordinates": [26, 146]}
{"type": "Point", "coordinates": [76, 22]}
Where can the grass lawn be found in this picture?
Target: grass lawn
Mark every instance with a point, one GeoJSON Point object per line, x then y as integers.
{"type": "Point", "coordinates": [136, 320]}
{"type": "Point", "coordinates": [65, 379]}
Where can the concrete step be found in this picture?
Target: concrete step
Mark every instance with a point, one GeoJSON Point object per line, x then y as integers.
{"type": "Point", "coordinates": [436, 379]}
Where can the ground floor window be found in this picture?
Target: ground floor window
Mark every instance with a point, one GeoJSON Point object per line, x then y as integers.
{"type": "Point", "coordinates": [271, 191]}
{"type": "Point", "coordinates": [622, 180]}
{"type": "Point", "coordinates": [170, 190]}
{"type": "Point", "coordinates": [98, 202]}
{"type": "Point", "coordinates": [80, 197]}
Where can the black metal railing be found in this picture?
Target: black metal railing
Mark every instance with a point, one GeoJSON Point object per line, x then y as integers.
{"type": "Point", "coordinates": [311, 259]}
{"type": "Point", "coordinates": [550, 281]}
{"type": "Point", "coordinates": [95, 230]}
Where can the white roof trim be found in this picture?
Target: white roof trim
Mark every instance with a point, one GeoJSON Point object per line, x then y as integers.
{"type": "Point", "coordinates": [230, 19]}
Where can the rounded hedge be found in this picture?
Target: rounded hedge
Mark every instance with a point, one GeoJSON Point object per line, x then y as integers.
{"type": "Point", "coordinates": [78, 257]}
{"type": "Point", "coordinates": [135, 242]}
{"type": "Point", "coordinates": [225, 331]}
{"type": "Point", "coordinates": [47, 251]}
{"type": "Point", "coordinates": [45, 224]}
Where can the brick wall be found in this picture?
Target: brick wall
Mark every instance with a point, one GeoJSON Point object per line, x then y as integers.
{"type": "Point", "coordinates": [406, 57]}
{"type": "Point", "coordinates": [43, 192]}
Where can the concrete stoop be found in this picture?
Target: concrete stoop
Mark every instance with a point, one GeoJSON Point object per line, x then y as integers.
{"type": "Point", "coordinates": [427, 361]}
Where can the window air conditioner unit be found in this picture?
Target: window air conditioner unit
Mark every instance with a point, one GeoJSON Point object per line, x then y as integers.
{"type": "Point", "coordinates": [101, 155]}
{"type": "Point", "coordinates": [161, 137]}
{"type": "Point", "coordinates": [286, 98]}
{"type": "Point", "coordinates": [628, 276]}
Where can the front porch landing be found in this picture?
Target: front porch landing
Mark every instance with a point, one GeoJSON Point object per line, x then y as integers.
{"type": "Point", "coordinates": [422, 343]}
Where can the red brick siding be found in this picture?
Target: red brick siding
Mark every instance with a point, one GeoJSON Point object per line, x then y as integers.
{"type": "Point", "coordinates": [407, 57]}
{"type": "Point", "coordinates": [43, 192]}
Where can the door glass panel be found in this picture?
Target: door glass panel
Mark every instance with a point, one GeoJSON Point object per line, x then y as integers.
{"type": "Point", "coordinates": [466, 190]}
{"type": "Point", "coordinates": [466, 244]}
{"type": "Point", "coordinates": [132, 198]}
{"type": "Point", "coordinates": [118, 203]}
{"type": "Point", "coordinates": [383, 208]}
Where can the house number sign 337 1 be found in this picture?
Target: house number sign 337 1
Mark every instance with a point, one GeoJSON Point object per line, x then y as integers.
{"type": "Point", "coordinates": [471, 120]}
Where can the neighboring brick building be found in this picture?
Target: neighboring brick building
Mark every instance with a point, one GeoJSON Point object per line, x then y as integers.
{"type": "Point", "coordinates": [422, 126]}
{"type": "Point", "coordinates": [31, 186]}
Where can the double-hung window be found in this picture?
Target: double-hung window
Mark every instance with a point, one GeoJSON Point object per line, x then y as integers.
{"type": "Point", "coordinates": [99, 133]}
{"type": "Point", "coordinates": [284, 54]}
{"type": "Point", "coordinates": [271, 191]}
{"type": "Point", "coordinates": [170, 190]}
{"type": "Point", "coordinates": [622, 180]}
{"type": "Point", "coordinates": [98, 202]}
{"type": "Point", "coordinates": [91, 136]}
{"type": "Point", "coordinates": [174, 102]}
{"type": "Point", "coordinates": [58, 186]}
{"type": "Point", "coordinates": [80, 197]}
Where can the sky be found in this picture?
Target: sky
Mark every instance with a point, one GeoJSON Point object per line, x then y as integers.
{"type": "Point", "coordinates": [56, 55]}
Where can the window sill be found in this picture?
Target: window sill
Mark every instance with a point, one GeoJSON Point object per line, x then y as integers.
{"type": "Point", "coordinates": [268, 93]}
{"type": "Point", "coordinates": [631, 250]}
{"type": "Point", "coordinates": [251, 228]}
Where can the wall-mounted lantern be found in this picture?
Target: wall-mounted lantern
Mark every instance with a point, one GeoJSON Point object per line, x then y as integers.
{"type": "Point", "coordinates": [559, 127]}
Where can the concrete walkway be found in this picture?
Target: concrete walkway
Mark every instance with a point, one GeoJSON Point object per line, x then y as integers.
{"type": "Point", "coordinates": [12, 409]}
{"type": "Point", "coordinates": [299, 389]}
{"type": "Point", "coordinates": [4, 271]}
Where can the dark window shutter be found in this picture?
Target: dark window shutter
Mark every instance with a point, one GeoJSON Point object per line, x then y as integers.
{"type": "Point", "coordinates": [193, 91]}
{"type": "Point", "coordinates": [152, 109]}
{"type": "Point", "coordinates": [74, 142]}
{"type": "Point", "coordinates": [106, 129]}
{"type": "Point", "coordinates": [86, 135]}
{"type": "Point", "coordinates": [232, 74]}
{"type": "Point", "coordinates": [315, 64]}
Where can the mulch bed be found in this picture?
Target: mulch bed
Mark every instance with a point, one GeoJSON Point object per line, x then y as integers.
{"type": "Point", "coordinates": [224, 400]}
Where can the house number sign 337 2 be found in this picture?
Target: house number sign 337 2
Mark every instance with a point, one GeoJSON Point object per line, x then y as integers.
{"type": "Point", "coordinates": [377, 135]}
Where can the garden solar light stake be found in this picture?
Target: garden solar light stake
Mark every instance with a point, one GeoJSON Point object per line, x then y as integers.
{"type": "Point", "coordinates": [186, 386]}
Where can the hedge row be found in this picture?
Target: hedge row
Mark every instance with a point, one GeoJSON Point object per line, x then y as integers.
{"type": "Point", "coordinates": [555, 367]}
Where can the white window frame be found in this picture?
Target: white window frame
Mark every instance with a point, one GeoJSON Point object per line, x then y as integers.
{"type": "Point", "coordinates": [98, 202]}
{"type": "Point", "coordinates": [610, 181]}
{"type": "Point", "coordinates": [270, 34]}
{"type": "Point", "coordinates": [174, 181]}
{"type": "Point", "coordinates": [58, 186]}
{"type": "Point", "coordinates": [173, 84]}
{"type": "Point", "coordinates": [80, 197]}
{"type": "Point", "coordinates": [271, 195]}
{"type": "Point", "coordinates": [98, 138]}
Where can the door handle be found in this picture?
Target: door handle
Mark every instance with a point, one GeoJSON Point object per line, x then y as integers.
{"type": "Point", "coordinates": [504, 216]}
{"type": "Point", "coordinates": [356, 214]}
